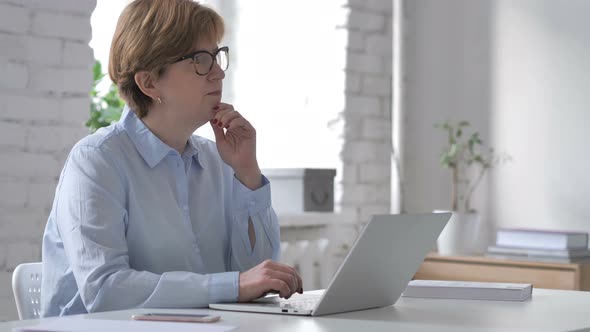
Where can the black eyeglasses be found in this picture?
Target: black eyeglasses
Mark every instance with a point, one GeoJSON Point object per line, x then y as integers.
{"type": "Point", "coordinates": [203, 60]}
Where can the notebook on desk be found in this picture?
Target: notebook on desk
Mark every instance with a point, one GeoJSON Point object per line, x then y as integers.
{"type": "Point", "coordinates": [374, 273]}
{"type": "Point", "coordinates": [468, 290]}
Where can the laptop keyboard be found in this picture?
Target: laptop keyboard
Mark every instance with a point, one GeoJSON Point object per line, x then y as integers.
{"type": "Point", "coordinates": [297, 301]}
{"type": "Point", "coordinates": [300, 304]}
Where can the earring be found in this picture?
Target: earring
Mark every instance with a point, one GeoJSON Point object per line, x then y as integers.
{"type": "Point", "coordinates": [159, 100]}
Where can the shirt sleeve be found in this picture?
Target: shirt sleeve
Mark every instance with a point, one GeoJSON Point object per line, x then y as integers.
{"type": "Point", "coordinates": [92, 217]}
{"type": "Point", "coordinates": [253, 205]}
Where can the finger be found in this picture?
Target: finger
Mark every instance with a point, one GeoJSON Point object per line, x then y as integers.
{"type": "Point", "coordinates": [225, 106]}
{"type": "Point", "coordinates": [290, 279]}
{"type": "Point", "coordinates": [279, 285]}
{"type": "Point", "coordinates": [239, 123]}
{"type": "Point", "coordinates": [282, 267]}
{"type": "Point", "coordinates": [228, 117]}
{"type": "Point", "coordinates": [219, 115]}
{"type": "Point", "coordinates": [218, 131]}
{"type": "Point", "coordinates": [287, 269]}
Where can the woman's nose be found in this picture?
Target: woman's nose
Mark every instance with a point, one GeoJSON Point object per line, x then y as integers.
{"type": "Point", "coordinates": [216, 73]}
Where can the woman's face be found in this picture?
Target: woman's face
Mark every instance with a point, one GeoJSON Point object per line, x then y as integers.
{"type": "Point", "coordinates": [190, 96]}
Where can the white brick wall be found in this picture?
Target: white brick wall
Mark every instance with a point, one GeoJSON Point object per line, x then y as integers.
{"type": "Point", "coordinates": [14, 19]}
{"type": "Point", "coordinates": [27, 108]}
{"type": "Point", "coordinates": [12, 136]}
{"type": "Point", "coordinates": [362, 105]}
{"type": "Point", "coordinates": [46, 64]}
{"type": "Point", "coordinates": [71, 27]}
{"type": "Point", "coordinates": [14, 76]}
{"type": "Point", "coordinates": [80, 7]}
{"type": "Point", "coordinates": [366, 153]}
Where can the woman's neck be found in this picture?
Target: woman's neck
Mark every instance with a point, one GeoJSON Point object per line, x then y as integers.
{"type": "Point", "coordinates": [168, 129]}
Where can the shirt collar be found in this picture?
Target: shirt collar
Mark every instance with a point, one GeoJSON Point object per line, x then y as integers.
{"type": "Point", "coordinates": [192, 151]}
{"type": "Point", "coordinates": [150, 147]}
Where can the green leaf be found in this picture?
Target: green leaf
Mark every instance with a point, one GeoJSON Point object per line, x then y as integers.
{"type": "Point", "coordinates": [453, 149]}
{"type": "Point", "coordinates": [104, 110]}
{"type": "Point", "coordinates": [470, 144]}
{"type": "Point", "coordinates": [97, 73]}
{"type": "Point", "coordinates": [447, 161]}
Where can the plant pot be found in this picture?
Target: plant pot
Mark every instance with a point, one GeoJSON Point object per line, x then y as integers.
{"type": "Point", "coordinates": [463, 235]}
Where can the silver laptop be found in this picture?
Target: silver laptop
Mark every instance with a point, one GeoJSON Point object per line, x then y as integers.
{"type": "Point", "coordinates": [374, 274]}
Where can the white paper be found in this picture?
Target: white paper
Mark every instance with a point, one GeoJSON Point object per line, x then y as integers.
{"type": "Point", "coordinates": [101, 325]}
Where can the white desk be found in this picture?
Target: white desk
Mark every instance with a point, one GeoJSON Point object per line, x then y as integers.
{"type": "Point", "coordinates": [548, 310]}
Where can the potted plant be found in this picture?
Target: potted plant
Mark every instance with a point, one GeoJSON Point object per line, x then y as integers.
{"type": "Point", "coordinates": [468, 160]}
{"type": "Point", "coordinates": [104, 109]}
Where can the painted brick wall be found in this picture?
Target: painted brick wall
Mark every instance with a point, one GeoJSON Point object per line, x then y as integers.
{"type": "Point", "coordinates": [45, 77]}
{"type": "Point", "coordinates": [366, 154]}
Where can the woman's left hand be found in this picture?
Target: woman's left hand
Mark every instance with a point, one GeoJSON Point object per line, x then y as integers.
{"type": "Point", "coordinates": [237, 144]}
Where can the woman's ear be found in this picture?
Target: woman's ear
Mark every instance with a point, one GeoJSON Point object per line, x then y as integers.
{"type": "Point", "coordinates": [145, 82]}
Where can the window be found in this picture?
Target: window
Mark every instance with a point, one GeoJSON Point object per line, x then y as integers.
{"type": "Point", "coordinates": [286, 74]}
{"type": "Point", "coordinates": [103, 22]}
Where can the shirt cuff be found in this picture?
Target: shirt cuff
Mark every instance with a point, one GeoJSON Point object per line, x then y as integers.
{"type": "Point", "coordinates": [249, 200]}
{"type": "Point", "coordinates": [224, 287]}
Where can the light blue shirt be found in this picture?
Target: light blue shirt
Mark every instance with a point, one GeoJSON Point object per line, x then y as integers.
{"type": "Point", "coordinates": [136, 224]}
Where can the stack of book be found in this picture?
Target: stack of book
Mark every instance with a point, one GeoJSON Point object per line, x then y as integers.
{"type": "Point", "coordinates": [540, 245]}
{"type": "Point", "coordinates": [468, 290]}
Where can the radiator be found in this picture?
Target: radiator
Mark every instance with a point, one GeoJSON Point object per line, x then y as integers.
{"type": "Point", "coordinates": [312, 259]}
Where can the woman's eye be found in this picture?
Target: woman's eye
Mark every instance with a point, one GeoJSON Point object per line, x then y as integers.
{"type": "Point", "coordinates": [198, 59]}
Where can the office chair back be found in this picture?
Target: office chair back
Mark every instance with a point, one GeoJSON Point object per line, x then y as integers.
{"type": "Point", "coordinates": [26, 285]}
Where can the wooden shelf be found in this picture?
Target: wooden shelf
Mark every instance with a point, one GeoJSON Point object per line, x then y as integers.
{"type": "Point", "coordinates": [568, 276]}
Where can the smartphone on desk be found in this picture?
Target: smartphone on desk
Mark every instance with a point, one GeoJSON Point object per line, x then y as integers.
{"type": "Point", "coordinates": [172, 317]}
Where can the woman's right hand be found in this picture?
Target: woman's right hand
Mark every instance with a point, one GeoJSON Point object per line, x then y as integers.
{"type": "Point", "coordinates": [269, 276]}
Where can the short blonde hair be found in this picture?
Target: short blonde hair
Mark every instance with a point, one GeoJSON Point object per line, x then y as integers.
{"type": "Point", "coordinates": [152, 34]}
